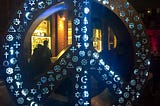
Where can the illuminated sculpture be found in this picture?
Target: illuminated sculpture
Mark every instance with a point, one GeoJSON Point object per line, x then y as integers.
{"type": "Point", "coordinates": [81, 57]}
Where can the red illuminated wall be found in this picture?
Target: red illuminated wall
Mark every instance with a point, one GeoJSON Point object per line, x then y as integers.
{"type": "Point", "coordinates": [154, 36]}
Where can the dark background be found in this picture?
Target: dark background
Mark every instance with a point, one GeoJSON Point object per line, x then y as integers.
{"type": "Point", "coordinates": [151, 94]}
{"type": "Point", "coordinates": [8, 7]}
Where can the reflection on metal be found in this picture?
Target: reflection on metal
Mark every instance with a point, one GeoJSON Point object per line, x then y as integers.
{"type": "Point", "coordinates": [69, 32]}
{"type": "Point", "coordinates": [97, 39]}
{"type": "Point", "coordinates": [112, 40]}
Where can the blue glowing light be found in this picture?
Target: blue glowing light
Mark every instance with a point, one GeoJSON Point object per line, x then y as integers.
{"type": "Point", "coordinates": [78, 56]}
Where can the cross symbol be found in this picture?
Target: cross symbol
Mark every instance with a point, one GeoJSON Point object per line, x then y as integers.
{"type": "Point", "coordinates": [17, 53]}
{"type": "Point", "coordinates": [86, 2]}
{"type": "Point", "coordinates": [73, 49]}
{"type": "Point", "coordinates": [6, 54]}
{"type": "Point", "coordinates": [5, 46]}
{"type": "Point", "coordinates": [17, 45]}
{"type": "Point", "coordinates": [39, 85]}
{"type": "Point", "coordinates": [128, 88]}
{"type": "Point", "coordinates": [51, 85]}
{"type": "Point", "coordinates": [86, 103]}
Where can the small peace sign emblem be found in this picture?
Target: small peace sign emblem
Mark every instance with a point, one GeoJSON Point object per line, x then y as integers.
{"type": "Point", "coordinates": [92, 71]}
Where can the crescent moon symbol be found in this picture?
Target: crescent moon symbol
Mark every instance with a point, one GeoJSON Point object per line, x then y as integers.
{"type": "Point", "coordinates": [84, 79]}
{"type": "Point", "coordinates": [29, 16]}
{"type": "Point", "coordinates": [33, 104]}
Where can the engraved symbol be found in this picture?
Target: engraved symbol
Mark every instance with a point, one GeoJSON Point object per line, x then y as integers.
{"type": "Point", "coordinates": [18, 76]}
{"type": "Point", "coordinates": [77, 77]}
{"type": "Point", "coordinates": [19, 84]}
{"type": "Point", "coordinates": [75, 2]}
{"type": "Point", "coordinates": [43, 79]}
{"type": "Point", "coordinates": [49, 2]}
{"type": "Point", "coordinates": [9, 37]}
{"type": "Point", "coordinates": [20, 100]}
{"type": "Point", "coordinates": [57, 68]}
{"type": "Point", "coordinates": [11, 50]}
{"type": "Point", "coordinates": [33, 91]}
{"type": "Point", "coordinates": [70, 65]}
{"type": "Point", "coordinates": [6, 55]}
{"type": "Point", "coordinates": [25, 92]}
{"type": "Point", "coordinates": [9, 80]}
{"type": "Point", "coordinates": [13, 61]}
{"type": "Point", "coordinates": [122, 14]}
{"type": "Point", "coordinates": [5, 46]}
{"type": "Point", "coordinates": [51, 86]}
{"type": "Point", "coordinates": [73, 49]}
{"type": "Point", "coordinates": [76, 21]}
{"type": "Point", "coordinates": [86, 2]}
{"type": "Point", "coordinates": [84, 29]}
{"type": "Point", "coordinates": [86, 10]}
{"type": "Point", "coordinates": [19, 12]}
{"type": "Point", "coordinates": [16, 45]}
{"type": "Point", "coordinates": [9, 70]}
{"type": "Point", "coordinates": [11, 29]}
{"type": "Point", "coordinates": [77, 94]}
{"type": "Point", "coordinates": [16, 93]}
{"type": "Point", "coordinates": [63, 62]}
{"type": "Point", "coordinates": [84, 79]}
{"type": "Point", "coordinates": [32, 2]}
{"type": "Point", "coordinates": [16, 21]}
{"type": "Point", "coordinates": [105, 2]}
{"type": "Point", "coordinates": [131, 25]}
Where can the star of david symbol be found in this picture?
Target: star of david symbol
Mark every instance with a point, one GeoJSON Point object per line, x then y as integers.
{"type": "Point", "coordinates": [80, 62]}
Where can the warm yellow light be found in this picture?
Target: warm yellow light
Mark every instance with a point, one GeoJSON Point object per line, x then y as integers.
{"type": "Point", "coordinates": [115, 41]}
{"type": "Point", "coordinates": [149, 11]}
{"type": "Point", "coordinates": [42, 29]}
{"type": "Point", "coordinates": [63, 18]}
{"type": "Point", "coordinates": [97, 41]}
{"type": "Point", "coordinates": [69, 32]}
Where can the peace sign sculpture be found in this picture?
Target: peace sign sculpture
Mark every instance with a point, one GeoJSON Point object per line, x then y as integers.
{"type": "Point", "coordinates": [80, 60]}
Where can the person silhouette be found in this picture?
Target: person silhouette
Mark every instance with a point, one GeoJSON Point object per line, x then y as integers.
{"type": "Point", "coordinates": [40, 61]}
{"type": "Point", "coordinates": [46, 55]}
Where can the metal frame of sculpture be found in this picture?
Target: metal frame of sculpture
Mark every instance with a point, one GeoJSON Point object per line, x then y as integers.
{"type": "Point", "coordinates": [81, 57]}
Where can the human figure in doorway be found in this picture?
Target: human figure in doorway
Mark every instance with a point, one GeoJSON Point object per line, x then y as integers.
{"type": "Point", "coordinates": [35, 64]}
{"type": "Point", "coordinates": [46, 55]}
{"type": "Point", "coordinates": [40, 61]}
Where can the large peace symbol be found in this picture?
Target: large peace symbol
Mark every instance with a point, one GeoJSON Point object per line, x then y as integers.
{"type": "Point", "coordinates": [78, 62]}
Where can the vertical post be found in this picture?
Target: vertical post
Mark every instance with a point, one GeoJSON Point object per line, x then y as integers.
{"type": "Point", "coordinates": [81, 10]}
{"type": "Point", "coordinates": [80, 13]}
